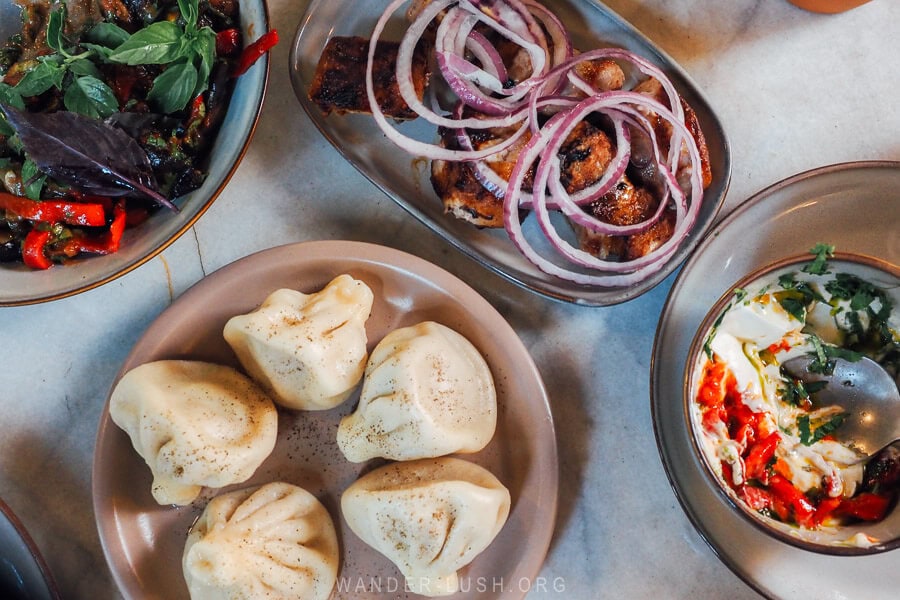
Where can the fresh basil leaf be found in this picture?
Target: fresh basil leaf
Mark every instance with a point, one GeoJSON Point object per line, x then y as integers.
{"type": "Point", "coordinates": [91, 97]}
{"type": "Point", "coordinates": [190, 11]}
{"type": "Point", "coordinates": [86, 153]}
{"type": "Point", "coordinates": [794, 307]}
{"type": "Point", "coordinates": [83, 66]}
{"type": "Point", "coordinates": [787, 281]}
{"type": "Point", "coordinates": [10, 97]}
{"type": "Point", "coordinates": [157, 44]}
{"type": "Point", "coordinates": [33, 179]}
{"type": "Point", "coordinates": [55, 29]}
{"type": "Point", "coordinates": [173, 88]}
{"type": "Point", "coordinates": [204, 45]}
{"type": "Point", "coordinates": [108, 35]}
{"type": "Point", "coordinates": [41, 78]}
{"type": "Point", "coordinates": [803, 429]}
{"type": "Point", "coordinates": [844, 353]}
{"type": "Point", "coordinates": [102, 52]}
{"type": "Point", "coordinates": [820, 362]}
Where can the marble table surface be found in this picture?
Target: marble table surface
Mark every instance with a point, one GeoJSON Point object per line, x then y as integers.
{"type": "Point", "coordinates": [794, 90]}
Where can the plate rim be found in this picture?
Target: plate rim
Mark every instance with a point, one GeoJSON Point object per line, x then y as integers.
{"type": "Point", "coordinates": [657, 357]}
{"type": "Point", "coordinates": [50, 585]}
{"type": "Point", "coordinates": [389, 258]}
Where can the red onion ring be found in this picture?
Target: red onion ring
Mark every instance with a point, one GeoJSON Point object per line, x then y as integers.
{"type": "Point", "coordinates": [484, 86]}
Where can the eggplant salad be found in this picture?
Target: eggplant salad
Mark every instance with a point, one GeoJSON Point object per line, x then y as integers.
{"type": "Point", "coordinates": [108, 111]}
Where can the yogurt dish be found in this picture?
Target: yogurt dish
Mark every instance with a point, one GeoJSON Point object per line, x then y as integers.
{"type": "Point", "coordinates": [773, 449]}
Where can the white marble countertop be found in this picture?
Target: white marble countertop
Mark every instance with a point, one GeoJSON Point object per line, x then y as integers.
{"type": "Point", "coordinates": [794, 91]}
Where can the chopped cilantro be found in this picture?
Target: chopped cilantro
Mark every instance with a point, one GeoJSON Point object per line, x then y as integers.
{"type": "Point", "coordinates": [787, 281]}
{"type": "Point", "coordinates": [798, 393]}
{"type": "Point", "coordinates": [809, 436]}
{"type": "Point", "coordinates": [793, 306]}
{"type": "Point", "coordinates": [824, 354]}
{"type": "Point", "coordinates": [819, 265]}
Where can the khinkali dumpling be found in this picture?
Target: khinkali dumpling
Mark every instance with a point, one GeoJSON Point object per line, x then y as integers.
{"type": "Point", "coordinates": [195, 424]}
{"type": "Point", "coordinates": [430, 517]}
{"type": "Point", "coordinates": [307, 350]}
{"type": "Point", "coordinates": [427, 392]}
{"type": "Point", "coordinates": [267, 543]}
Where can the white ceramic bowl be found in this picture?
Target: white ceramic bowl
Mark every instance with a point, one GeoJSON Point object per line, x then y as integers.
{"type": "Point", "coordinates": [23, 573]}
{"type": "Point", "coordinates": [826, 540]}
{"type": "Point", "coordinates": [20, 285]}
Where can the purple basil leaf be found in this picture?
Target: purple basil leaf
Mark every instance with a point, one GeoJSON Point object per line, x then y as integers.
{"type": "Point", "coordinates": [86, 153]}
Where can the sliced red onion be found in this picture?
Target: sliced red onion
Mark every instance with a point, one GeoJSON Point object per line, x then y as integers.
{"type": "Point", "coordinates": [487, 55]}
{"type": "Point", "coordinates": [483, 86]}
{"type": "Point", "coordinates": [404, 61]}
{"type": "Point", "coordinates": [404, 72]}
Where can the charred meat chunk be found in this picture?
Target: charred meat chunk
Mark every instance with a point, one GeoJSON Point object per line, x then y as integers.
{"type": "Point", "coordinates": [339, 83]}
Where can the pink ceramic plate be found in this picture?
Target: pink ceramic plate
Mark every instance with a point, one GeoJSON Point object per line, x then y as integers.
{"type": "Point", "coordinates": [143, 541]}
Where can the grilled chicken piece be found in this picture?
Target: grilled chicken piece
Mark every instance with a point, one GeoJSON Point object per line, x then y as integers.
{"type": "Point", "coordinates": [626, 204]}
{"type": "Point", "coordinates": [651, 87]}
{"type": "Point", "coordinates": [463, 195]}
{"type": "Point", "coordinates": [584, 155]}
{"type": "Point", "coordinates": [602, 74]}
{"type": "Point", "coordinates": [339, 83]}
{"type": "Point", "coordinates": [458, 187]}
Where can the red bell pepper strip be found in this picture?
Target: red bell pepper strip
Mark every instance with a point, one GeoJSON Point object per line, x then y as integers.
{"type": "Point", "coordinates": [756, 498]}
{"type": "Point", "coordinates": [33, 249]}
{"type": "Point", "coordinates": [255, 51]}
{"type": "Point", "coordinates": [759, 456]}
{"type": "Point", "coordinates": [802, 508]}
{"type": "Point", "coordinates": [54, 211]}
{"type": "Point", "coordinates": [825, 509]}
{"type": "Point", "coordinates": [107, 243]}
{"type": "Point", "coordinates": [866, 506]}
{"type": "Point", "coordinates": [228, 41]}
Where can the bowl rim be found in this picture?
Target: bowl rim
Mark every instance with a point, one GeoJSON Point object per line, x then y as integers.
{"type": "Point", "coordinates": [757, 520]}
{"type": "Point", "coordinates": [201, 210]}
{"type": "Point", "coordinates": [32, 548]}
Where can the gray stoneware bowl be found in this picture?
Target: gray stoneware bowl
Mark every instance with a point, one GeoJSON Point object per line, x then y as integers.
{"type": "Point", "coordinates": [20, 285]}
{"type": "Point", "coordinates": [883, 535]}
{"type": "Point", "coordinates": [23, 573]}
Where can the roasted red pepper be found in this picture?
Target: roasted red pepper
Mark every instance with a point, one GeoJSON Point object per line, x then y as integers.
{"type": "Point", "coordinates": [54, 211]}
{"type": "Point", "coordinates": [866, 506]}
{"type": "Point", "coordinates": [759, 456]}
{"type": "Point", "coordinates": [255, 51]}
{"type": "Point", "coordinates": [228, 42]}
{"type": "Point", "coordinates": [33, 247]}
{"type": "Point", "coordinates": [802, 507]}
{"type": "Point", "coordinates": [103, 244]}
{"type": "Point", "coordinates": [712, 391]}
{"type": "Point", "coordinates": [825, 509]}
{"type": "Point", "coordinates": [756, 498]}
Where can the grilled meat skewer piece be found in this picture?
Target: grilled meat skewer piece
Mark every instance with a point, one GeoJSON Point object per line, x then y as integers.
{"type": "Point", "coordinates": [339, 83]}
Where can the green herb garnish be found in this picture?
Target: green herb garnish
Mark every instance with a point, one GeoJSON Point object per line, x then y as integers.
{"type": "Point", "coordinates": [798, 393]}
{"type": "Point", "coordinates": [819, 265]}
{"type": "Point", "coordinates": [188, 53]}
{"type": "Point", "coordinates": [809, 436]}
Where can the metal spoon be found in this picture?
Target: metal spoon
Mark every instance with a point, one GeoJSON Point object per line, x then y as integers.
{"type": "Point", "coordinates": [866, 392]}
